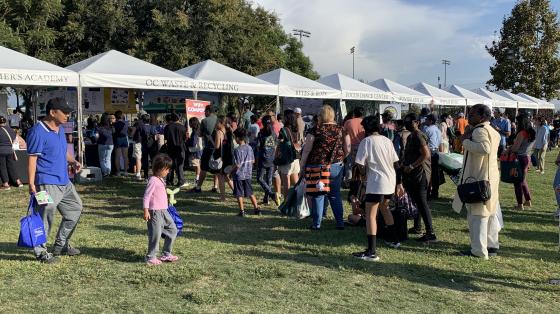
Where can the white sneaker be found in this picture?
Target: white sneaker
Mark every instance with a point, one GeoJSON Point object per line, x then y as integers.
{"type": "Point", "coordinates": [138, 177]}
{"type": "Point", "coordinates": [186, 184]}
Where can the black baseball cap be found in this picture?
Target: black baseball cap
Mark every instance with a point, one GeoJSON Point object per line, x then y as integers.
{"type": "Point", "coordinates": [58, 104]}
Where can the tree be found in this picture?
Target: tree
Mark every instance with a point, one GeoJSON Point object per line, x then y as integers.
{"type": "Point", "coordinates": [526, 53]}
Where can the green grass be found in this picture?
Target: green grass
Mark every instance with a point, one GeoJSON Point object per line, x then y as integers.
{"type": "Point", "coordinates": [274, 264]}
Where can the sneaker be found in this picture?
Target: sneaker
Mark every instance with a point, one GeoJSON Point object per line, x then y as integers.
{"type": "Point", "coordinates": [528, 204]}
{"type": "Point", "coordinates": [138, 177]}
{"type": "Point", "coordinates": [169, 258]}
{"type": "Point", "coordinates": [241, 214]}
{"type": "Point", "coordinates": [70, 251]}
{"type": "Point", "coordinates": [214, 190]}
{"type": "Point", "coordinates": [414, 231]}
{"type": "Point", "coordinates": [184, 185]}
{"type": "Point", "coordinates": [196, 189]}
{"type": "Point", "coordinates": [492, 252]}
{"type": "Point", "coordinates": [468, 253]}
{"type": "Point", "coordinates": [153, 262]}
{"type": "Point", "coordinates": [557, 213]}
{"type": "Point", "coordinates": [394, 245]}
{"type": "Point", "coordinates": [257, 212]}
{"type": "Point", "coordinates": [427, 238]}
{"type": "Point", "coordinates": [276, 199]}
{"type": "Point", "coordinates": [5, 188]}
{"type": "Point", "coordinates": [314, 228]}
{"type": "Point", "coordinates": [366, 256]}
{"type": "Point", "coordinates": [47, 258]}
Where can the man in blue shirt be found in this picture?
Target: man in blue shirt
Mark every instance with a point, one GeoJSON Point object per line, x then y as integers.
{"type": "Point", "coordinates": [48, 171]}
{"type": "Point", "coordinates": [433, 134]}
{"type": "Point", "coordinates": [501, 124]}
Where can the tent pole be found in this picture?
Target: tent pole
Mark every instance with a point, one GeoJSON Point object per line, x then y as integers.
{"type": "Point", "coordinates": [79, 125]}
{"type": "Point", "coordinates": [277, 104]}
{"type": "Point", "coordinates": [195, 94]}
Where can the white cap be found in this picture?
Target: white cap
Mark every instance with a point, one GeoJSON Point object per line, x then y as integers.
{"type": "Point", "coordinates": [297, 110]}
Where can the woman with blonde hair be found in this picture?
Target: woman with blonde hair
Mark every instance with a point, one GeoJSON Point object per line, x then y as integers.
{"type": "Point", "coordinates": [325, 149]}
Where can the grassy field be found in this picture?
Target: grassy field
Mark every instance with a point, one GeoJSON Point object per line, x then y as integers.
{"type": "Point", "coordinates": [274, 264]}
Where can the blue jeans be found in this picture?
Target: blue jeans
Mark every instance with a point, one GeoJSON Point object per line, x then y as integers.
{"type": "Point", "coordinates": [264, 176]}
{"type": "Point", "coordinates": [556, 184]}
{"type": "Point", "coordinates": [318, 202]}
{"type": "Point", "coordinates": [105, 158]}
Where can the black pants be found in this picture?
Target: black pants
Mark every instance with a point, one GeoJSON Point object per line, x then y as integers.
{"type": "Point", "coordinates": [418, 192]}
{"type": "Point", "coordinates": [178, 157]}
{"type": "Point", "coordinates": [434, 186]}
{"type": "Point", "coordinates": [146, 161]}
{"type": "Point", "coordinates": [8, 169]}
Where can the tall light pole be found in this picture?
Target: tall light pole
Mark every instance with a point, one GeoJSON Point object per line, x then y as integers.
{"type": "Point", "coordinates": [445, 64]}
{"type": "Point", "coordinates": [301, 33]}
{"type": "Point", "coordinates": [352, 51]}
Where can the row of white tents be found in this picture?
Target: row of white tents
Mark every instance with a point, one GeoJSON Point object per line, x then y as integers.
{"type": "Point", "coordinates": [114, 69]}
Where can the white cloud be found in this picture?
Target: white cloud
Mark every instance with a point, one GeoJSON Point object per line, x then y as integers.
{"type": "Point", "coordinates": [394, 39]}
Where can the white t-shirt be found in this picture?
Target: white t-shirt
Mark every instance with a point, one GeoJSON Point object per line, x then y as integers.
{"type": "Point", "coordinates": [377, 154]}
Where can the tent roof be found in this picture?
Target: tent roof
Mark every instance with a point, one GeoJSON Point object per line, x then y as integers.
{"type": "Point", "coordinates": [215, 77]}
{"type": "Point", "coordinates": [543, 104]}
{"type": "Point", "coordinates": [472, 98]}
{"type": "Point", "coordinates": [354, 89]}
{"type": "Point", "coordinates": [497, 100]}
{"type": "Point", "coordinates": [297, 86]}
{"type": "Point", "coordinates": [439, 96]}
{"type": "Point", "coordinates": [18, 69]}
{"type": "Point", "coordinates": [521, 102]}
{"type": "Point", "coordinates": [119, 70]}
{"type": "Point", "coordinates": [401, 92]}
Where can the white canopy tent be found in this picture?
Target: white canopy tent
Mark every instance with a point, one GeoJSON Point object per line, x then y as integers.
{"type": "Point", "coordinates": [18, 69]}
{"type": "Point", "coordinates": [471, 98]}
{"type": "Point", "coordinates": [292, 85]}
{"type": "Point", "coordinates": [352, 89]}
{"type": "Point", "coordinates": [114, 69]}
{"type": "Point", "coordinates": [439, 96]}
{"type": "Point", "coordinates": [542, 104]}
{"type": "Point", "coordinates": [497, 100]}
{"type": "Point", "coordinates": [118, 70]}
{"type": "Point", "coordinates": [401, 93]}
{"type": "Point", "coordinates": [522, 103]}
{"type": "Point", "coordinates": [212, 76]}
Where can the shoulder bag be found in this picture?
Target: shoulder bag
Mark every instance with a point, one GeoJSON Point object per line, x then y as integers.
{"type": "Point", "coordinates": [476, 191]}
{"type": "Point", "coordinates": [317, 178]}
{"type": "Point", "coordinates": [11, 142]}
{"type": "Point", "coordinates": [216, 164]}
{"type": "Point", "coordinates": [285, 152]}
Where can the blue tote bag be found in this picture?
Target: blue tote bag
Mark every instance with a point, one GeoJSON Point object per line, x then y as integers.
{"type": "Point", "coordinates": [176, 218]}
{"type": "Point", "coordinates": [32, 230]}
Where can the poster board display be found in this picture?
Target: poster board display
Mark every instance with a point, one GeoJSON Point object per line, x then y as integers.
{"type": "Point", "coordinates": [119, 99]}
{"type": "Point", "coordinates": [394, 108]}
{"type": "Point", "coordinates": [165, 101]}
{"type": "Point", "coordinates": [195, 108]}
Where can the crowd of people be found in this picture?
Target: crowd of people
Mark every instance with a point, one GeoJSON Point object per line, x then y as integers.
{"type": "Point", "coordinates": [382, 160]}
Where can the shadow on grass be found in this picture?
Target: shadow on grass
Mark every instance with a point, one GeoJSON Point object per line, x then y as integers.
{"type": "Point", "coordinates": [112, 253]}
{"type": "Point", "coordinates": [421, 274]}
{"type": "Point", "coordinates": [121, 228]}
{"type": "Point", "coordinates": [9, 251]}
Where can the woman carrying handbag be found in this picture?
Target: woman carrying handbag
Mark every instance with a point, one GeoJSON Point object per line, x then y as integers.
{"type": "Point", "coordinates": [321, 164]}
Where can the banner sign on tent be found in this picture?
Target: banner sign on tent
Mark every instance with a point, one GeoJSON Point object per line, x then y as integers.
{"type": "Point", "coordinates": [119, 99]}
{"type": "Point", "coordinates": [394, 109]}
{"type": "Point", "coordinates": [195, 108]}
{"type": "Point", "coordinates": [165, 101]}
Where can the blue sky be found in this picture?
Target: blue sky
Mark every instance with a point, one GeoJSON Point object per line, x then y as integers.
{"type": "Point", "coordinates": [403, 40]}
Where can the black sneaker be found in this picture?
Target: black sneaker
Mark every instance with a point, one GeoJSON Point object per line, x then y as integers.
{"type": "Point", "coordinates": [241, 214]}
{"type": "Point", "coordinates": [214, 190]}
{"type": "Point", "coordinates": [414, 231]}
{"type": "Point", "coordinates": [70, 251]}
{"type": "Point", "coordinates": [492, 251]}
{"type": "Point", "coordinates": [468, 253]}
{"type": "Point", "coordinates": [427, 238]}
{"type": "Point", "coordinates": [47, 258]}
{"type": "Point", "coordinates": [196, 189]}
{"type": "Point", "coordinates": [366, 256]}
{"type": "Point", "coordinates": [257, 212]}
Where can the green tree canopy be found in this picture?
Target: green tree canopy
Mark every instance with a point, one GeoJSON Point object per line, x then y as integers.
{"type": "Point", "coordinates": [526, 53]}
{"type": "Point", "coordinates": [169, 33]}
